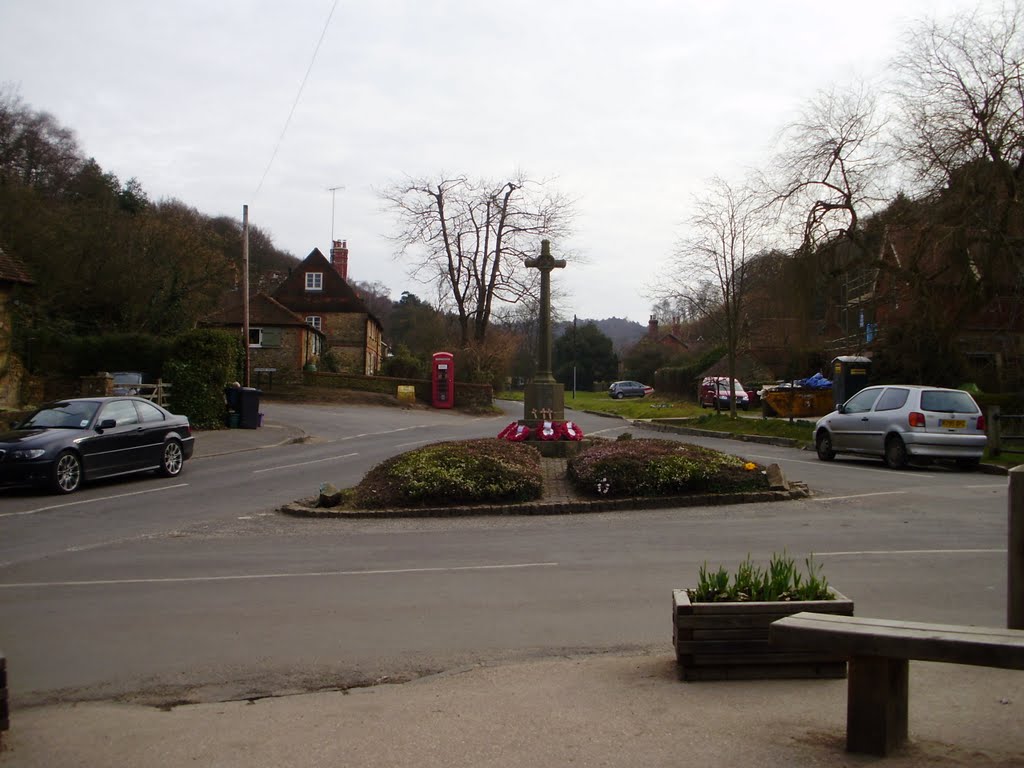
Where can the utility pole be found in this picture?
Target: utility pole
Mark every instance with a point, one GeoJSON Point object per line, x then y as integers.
{"type": "Point", "coordinates": [333, 190]}
{"type": "Point", "coordinates": [574, 357]}
{"type": "Point", "coordinates": [245, 292]}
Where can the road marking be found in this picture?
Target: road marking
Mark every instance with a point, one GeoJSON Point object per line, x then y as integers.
{"type": "Point", "coordinates": [858, 496]}
{"type": "Point", "coordinates": [305, 463]}
{"type": "Point", "coordinates": [1000, 486]}
{"type": "Point", "coordinates": [915, 552]}
{"type": "Point", "coordinates": [255, 576]}
{"type": "Point", "coordinates": [385, 432]}
{"type": "Point", "coordinates": [416, 442]}
{"type": "Point", "coordinates": [92, 501]}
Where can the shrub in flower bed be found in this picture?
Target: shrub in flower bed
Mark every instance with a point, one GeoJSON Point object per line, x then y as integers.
{"type": "Point", "coordinates": [457, 472]}
{"type": "Point", "coordinates": [660, 468]}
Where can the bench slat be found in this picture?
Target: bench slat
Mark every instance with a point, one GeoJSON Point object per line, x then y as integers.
{"type": "Point", "coordinates": [857, 636]}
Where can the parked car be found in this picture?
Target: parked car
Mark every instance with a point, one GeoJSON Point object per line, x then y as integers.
{"type": "Point", "coordinates": [621, 389]}
{"type": "Point", "coordinates": [68, 442]}
{"type": "Point", "coordinates": [127, 382]}
{"type": "Point", "coordinates": [714, 388]}
{"type": "Point", "coordinates": [904, 422]}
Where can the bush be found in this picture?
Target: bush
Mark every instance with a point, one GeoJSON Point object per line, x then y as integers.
{"type": "Point", "coordinates": [781, 582]}
{"type": "Point", "coordinates": [660, 468]}
{"type": "Point", "coordinates": [202, 363]}
{"type": "Point", "coordinates": [460, 472]}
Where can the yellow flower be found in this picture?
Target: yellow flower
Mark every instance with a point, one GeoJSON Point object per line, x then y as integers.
{"type": "Point", "coordinates": [750, 465]}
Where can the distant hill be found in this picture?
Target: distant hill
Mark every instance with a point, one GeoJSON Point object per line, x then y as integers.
{"type": "Point", "coordinates": [623, 333]}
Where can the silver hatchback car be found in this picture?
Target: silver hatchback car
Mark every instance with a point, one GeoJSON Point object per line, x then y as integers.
{"type": "Point", "coordinates": [905, 422]}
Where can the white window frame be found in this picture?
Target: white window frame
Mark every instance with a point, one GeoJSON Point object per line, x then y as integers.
{"type": "Point", "coordinates": [314, 281]}
{"type": "Point", "coordinates": [259, 335]}
{"type": "Point", "coordinates": [316, 321]}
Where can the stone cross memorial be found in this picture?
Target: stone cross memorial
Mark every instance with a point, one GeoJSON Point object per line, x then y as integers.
{"type": "Point", "coordinates": [544, 398]}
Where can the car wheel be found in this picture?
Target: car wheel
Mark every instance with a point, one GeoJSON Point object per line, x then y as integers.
{"type": "Point", "coordinates": [895, 453]}
{"type": "Point", "coordinates": [173, 459]}
{"type": "Point", "coordinates": [968, 463]}
{"type": "Point", "coordinates": [66, 475]}
{"type": "Point", "coordinates": [823, 445]}
{"type": "Point", "coordinates": [617, 395]}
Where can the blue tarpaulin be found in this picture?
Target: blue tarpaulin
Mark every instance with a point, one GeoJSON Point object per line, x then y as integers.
{"type": "Point", "coordinates": [817, 381]}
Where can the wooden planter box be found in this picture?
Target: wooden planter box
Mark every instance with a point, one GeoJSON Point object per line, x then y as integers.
{"type": "Point", "coordinates": [729, 641]}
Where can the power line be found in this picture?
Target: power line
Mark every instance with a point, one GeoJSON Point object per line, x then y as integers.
{"type": "Point", "coordinates": [298, 95]}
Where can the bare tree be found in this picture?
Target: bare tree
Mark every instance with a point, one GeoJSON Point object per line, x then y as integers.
{"type": "Point", "coordinates": [712, 261]}
{"type": "Point", "coordinates": [470, 238]}
{"type": "Point", "coordinates": [961, 93]}
{"type": "Point", "coordinates": [829, 173]}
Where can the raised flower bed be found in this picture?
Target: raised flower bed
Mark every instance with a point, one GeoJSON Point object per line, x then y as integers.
{"type": "Point", "coordinates": [719, 635]}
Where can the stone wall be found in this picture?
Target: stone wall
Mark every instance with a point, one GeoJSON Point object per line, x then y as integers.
{"type": "Point", "coordinates": [466, 395]}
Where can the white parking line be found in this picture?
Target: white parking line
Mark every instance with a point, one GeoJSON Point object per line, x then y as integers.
{"type": "Point", "coordinates": [254, 576]}
{"type": "Point", "coordinates": [858, 496]}
{"type": "Point", "coordinates": [92, 501]}
{"type": "Point", "coordinates": [914, 552]}
{"type": "Point", "coordinates": [305, 463]}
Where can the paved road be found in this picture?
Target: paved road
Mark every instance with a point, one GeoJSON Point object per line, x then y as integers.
{"type": "Point", "coordinates": [201, 592]}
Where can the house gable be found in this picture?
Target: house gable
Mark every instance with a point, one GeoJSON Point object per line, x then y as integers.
{"type": "Point", "coordinates": [317, 290]}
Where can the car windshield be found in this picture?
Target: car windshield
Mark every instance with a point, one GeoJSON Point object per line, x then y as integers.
{"type": "Point", "coordinates": [70, 415]}
{"type": "Point", "coordinates": [127, 378]}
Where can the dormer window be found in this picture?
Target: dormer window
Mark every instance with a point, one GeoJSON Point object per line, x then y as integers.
{"type": "Point", "coordinates": [314, 281]}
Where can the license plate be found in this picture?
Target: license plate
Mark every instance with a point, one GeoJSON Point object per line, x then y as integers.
{"type": "Point", "coordinates": [952, 423]}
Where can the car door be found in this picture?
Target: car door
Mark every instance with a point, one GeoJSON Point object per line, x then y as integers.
{"type": "Point", "coordinates": [154, 426]}
{"type": "Point", "coordinates": [883, 416]}
{"type": "Point", "coordinates": [849, 427]}
{"type": "Point", "coordinates": [114, 449]}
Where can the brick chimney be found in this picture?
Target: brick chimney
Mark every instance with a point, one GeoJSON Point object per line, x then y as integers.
{"type": "Point", "coordinates": [652, 327]}
{"type": "Point", "coordinates": [339, 257]}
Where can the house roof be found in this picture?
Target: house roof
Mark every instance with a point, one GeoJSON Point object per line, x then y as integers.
{"type": "Point", "coordinates": [12, 270]}
{"type": "Point", "coordinates": [748, 369]}
{"type": "Point", "coordinates": [263, 310]}
{"type": "Point", "coordinates": [336, 295]}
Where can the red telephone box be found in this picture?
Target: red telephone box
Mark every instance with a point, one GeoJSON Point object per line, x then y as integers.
{"type": "Point", "coordinates": [442, 380]}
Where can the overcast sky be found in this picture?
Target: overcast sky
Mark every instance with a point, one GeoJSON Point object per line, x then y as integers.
{"type": "Point", "coordinates": [628, 107]}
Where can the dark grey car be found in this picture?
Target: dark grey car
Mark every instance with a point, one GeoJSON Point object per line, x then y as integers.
{"type": "Point", "coordinates": [621, 389]}
{"type": "Point", "coordinates": [67, 442]}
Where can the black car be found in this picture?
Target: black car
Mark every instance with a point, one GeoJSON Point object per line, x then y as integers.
{"type": "Point", "coordinates": [67, 442]}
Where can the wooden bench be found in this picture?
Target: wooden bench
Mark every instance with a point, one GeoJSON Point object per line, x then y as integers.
{"type": "Point", "coordinates": [879, 652]}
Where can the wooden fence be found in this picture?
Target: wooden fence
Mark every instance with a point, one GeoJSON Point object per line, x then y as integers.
{"type": "Point", "coordinates": [1005, 432]}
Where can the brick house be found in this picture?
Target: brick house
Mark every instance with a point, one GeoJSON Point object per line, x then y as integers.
{"type": "Point", "coordinates": [318, 291]}
{"type": "Point", "coordinates": [278, 338]}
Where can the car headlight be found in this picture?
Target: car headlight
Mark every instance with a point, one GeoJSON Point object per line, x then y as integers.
{"type": "Point", "coordinates": [27, 453]}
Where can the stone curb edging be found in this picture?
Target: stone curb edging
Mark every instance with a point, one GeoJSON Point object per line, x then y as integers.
{"type": "Point", "coordinates": [797, 490]}
{"type": "Point", "coordinates": [784, 442]}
